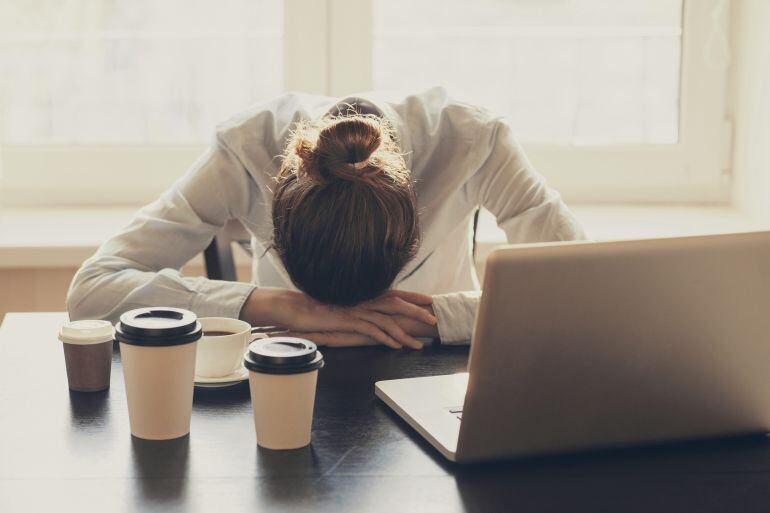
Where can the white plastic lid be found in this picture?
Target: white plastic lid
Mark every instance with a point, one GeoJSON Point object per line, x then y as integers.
{"type": "Point", "coordinates": [87, 332]}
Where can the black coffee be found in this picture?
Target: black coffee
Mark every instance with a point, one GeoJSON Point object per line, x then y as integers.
{"type": "Point", "coordinates": [217, 333]}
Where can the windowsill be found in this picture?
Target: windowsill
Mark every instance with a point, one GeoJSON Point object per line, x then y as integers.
{"type": "Point", "coordinates": [614, 222]}
{"type": "Point", "coordinates": [55, 237]}
{"type": "Point", "coordinates": [65, 237]}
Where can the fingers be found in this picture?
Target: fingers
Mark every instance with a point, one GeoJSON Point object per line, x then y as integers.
{"type": "Point", "coordinates": [373, 321]}
{"type": "Point", "coordinates": [387, 324]}
{"type": "Point", "coordinates": [412, 297]}
{"type": "Point", "coordinates": [393, 305]}
{"type": "Point", "coordinates": [416, 328]}
{"type": "Point", "coordinates": [364, 327]}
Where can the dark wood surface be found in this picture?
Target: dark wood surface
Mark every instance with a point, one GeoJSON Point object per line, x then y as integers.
{"type": "Point", "coordinates": [68, 451]}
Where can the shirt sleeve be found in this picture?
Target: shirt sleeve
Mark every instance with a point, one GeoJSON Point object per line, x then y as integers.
{"type": "Point", "coordinates": [507, 185]}
{"type": "Point", "coordinates": [140, 265]}
{"type": "Point", "coordinates": [456, 314]}
{"type": "Point", "coordinates": [525, 207]}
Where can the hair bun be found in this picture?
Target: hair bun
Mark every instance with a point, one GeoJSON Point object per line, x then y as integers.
{"type": "Point", "coordinates": [343, 150]}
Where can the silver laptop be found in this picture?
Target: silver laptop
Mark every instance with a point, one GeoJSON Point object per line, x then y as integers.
{"type": "Point", "coordinates": [581, 346]}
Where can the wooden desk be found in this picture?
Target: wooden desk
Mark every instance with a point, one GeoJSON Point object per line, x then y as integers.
{"type": "Point", "coordinates": [62, 451]}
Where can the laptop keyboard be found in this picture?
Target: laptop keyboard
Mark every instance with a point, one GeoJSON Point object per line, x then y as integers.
{"type": "Point", "coordinates": [457, 411]}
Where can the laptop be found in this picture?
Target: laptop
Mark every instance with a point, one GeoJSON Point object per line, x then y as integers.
{"type": "Point", "coordinates": [582, 346]}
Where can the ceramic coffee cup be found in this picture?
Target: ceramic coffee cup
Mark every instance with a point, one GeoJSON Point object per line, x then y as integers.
{"type": "Point", "coordinates": [220, 350]}
{"type": "Point", "coordinates": [282, 380]}
{"type": "Point", "coordinates": [157, 349]}
{"type": "Point", "coordinates": [88, 354]}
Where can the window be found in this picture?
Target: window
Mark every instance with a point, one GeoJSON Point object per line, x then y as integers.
{"type": "Point", "coordinates": [108, 102]}
{"type": "Point", "coordinates": [99, 71]}
{"type": "Point", "coordinates": [613, 100]}
{"type": "Point", "coordinates": [583, 72]}
{"type": "Point", "coordinates": [104, 101]}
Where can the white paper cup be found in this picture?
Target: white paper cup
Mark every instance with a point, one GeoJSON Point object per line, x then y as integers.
{"type": "Point", "coordinates": [157, 350]}
{"type": "Point", "coordinates": [283, 408]}
{"type": "Point", "coordinates": [159, 389]}
{"type": "Point", "coordinates": [221, 355]}
{"type": "Point", "coordinates": [283, 372]}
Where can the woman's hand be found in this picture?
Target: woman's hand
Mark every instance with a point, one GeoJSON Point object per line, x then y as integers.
{"type": "Point", "coordinates": [379, 320]}
{"type": "Point", "coordinates": [343, 339]}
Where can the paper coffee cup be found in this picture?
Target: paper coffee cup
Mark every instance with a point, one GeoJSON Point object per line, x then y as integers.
{"type": "Point", "coordinates": [157, 349]}
{"type": "Point", "coordinates": [88, 354]}
{"type": "Point", "coordinates": [282, 379]}
{"type": "Point", "coordinates": [221, 355]}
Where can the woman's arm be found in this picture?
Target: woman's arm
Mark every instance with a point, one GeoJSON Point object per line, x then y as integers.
{"type": "Point", "coordinates": [416, 323]}
{"type": "Point", "coordinates": [507, 185]}
{"type": "Point", "coordinates": [140, 265]}
{"type": "Point", "coordinates": [525, 207]}
{"type": "Point", "coordinates": [386, 320]}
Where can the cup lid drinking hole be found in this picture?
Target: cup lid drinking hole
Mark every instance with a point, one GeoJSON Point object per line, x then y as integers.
{"type": "Point", "coordinates": [158, 326]}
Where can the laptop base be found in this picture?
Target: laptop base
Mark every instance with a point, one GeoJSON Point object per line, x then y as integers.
{"type": "Point", "coordinates": [431, 405]}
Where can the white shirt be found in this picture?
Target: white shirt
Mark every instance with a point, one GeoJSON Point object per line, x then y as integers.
{"type": "Point", "coordinates": [460, 156]}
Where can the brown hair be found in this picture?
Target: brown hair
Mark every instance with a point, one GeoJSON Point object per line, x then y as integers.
{"type": "Point", "coordinates": [344, 211]}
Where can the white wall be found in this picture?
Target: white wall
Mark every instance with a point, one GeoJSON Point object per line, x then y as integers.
{"type": "Point", "coordinates": [749, 105]}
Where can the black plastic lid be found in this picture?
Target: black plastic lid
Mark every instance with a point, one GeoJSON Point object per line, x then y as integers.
{"type": "Point", "coordinates": [283, 355]}
{"type": "Point", "coordinates": [158, 326]}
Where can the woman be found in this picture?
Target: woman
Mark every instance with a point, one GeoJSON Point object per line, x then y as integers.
{"type": "Point", "coordinates": [350, 204]}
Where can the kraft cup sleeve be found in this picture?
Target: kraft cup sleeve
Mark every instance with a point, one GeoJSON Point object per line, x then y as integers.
{"type": "Point", "coordinates": [88, 366]}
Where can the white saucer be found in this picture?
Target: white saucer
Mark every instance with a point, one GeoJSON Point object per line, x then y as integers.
{"type": "Point", "coordinates": [218, 386]}
{"type": "Point", "coordinates": [236, 377]}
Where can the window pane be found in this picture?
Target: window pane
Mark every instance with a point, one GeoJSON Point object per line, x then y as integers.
{"type": "Point", "coordinates": [562, 71]}
{"type": "Point", "coordinates": [143, 71]}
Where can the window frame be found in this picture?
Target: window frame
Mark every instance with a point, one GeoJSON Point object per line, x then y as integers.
{"type": "Point", "coordinates": [328, 50]}
{"type": "Point", "coordinates": [694, 170]}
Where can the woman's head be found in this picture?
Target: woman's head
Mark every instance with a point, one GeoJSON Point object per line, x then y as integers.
{"type": "Point", "coordinates": [344, 209]}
